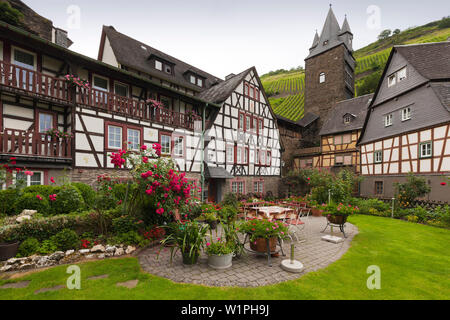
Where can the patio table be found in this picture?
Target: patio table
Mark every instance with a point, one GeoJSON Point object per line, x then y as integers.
{"type": "Point", "coordinates": [268, 212]}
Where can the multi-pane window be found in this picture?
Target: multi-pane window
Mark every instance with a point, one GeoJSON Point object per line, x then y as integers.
{"type": "Point", "coordinates": [165, 144]}
{"type": "Point", "coordinates": [45, 122]}
{"type": "Point", "coordinates": [262, 160]}
{"type": "Point", "coordinates": [258, 187]}
{"type": "Point", "coordinates": [193, 79]}
{"type": "Point", "coordinates": [247, 123]}
{"type": "Point", "coordinates": [261, 126]}
{"type": "Point", "coordinates": [24, 59]}
{"type": "Point", "coordinates": [121, 89]}
{"type": "Point", "coordinates": [230, 154]}
{"type": "Point", "coordinates": [426, 150]}
{"type": "Point", "coordinates": [378, 156]}
{"type": "Point", "coordinates": [379, 187]}
{"type": "Point", "coordinates": [237, 187]}
{"type": "Point", "coordinates": [397, 77]}
{"type": "Point", "coordinates": [239, 155]}
{"type": "Point", "coordinates": [241, 121]}
{"type": "Point", "coordinates": [100, 83]}
{"type": "Point", "coordinates": [269, 158]}
{"type": "Point", "coordinates": [401, 74]}
{"type": "Point", "coordinates": [406, 114]}
{"type": "Point", "coordinates": [347, 119]}
{"type": "Point", "coordinates": [388, 120]}
{"type": "Point", "coordinates": [134, 139]}
{"type": "Point", "coordinates": [35, 180]}
{"type": "Point", "coordinates": [178, 146]}
{"type": "Point", "coordinates": [343, 160]}
{"type": "Point", "coordinates": [342, 139]}
{"type": "Point", "coordinates": [114, 137]}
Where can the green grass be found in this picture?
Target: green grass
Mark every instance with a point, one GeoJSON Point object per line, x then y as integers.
{"type": "Point", "coordinates": [414, 261]}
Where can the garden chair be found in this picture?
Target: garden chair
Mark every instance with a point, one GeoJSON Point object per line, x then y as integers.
{"type": "Point", "coordinates": [296, 223]}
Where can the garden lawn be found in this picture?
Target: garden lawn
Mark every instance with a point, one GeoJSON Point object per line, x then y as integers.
{"type": "Point", "coordinates": [414, 261]}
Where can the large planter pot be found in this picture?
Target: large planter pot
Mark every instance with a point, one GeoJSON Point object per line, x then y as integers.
{"type": "Point", "coordinates": [337, 219]}
{"type": "Point", "coordinates": [189, 260]}
{"type": "Point", "coordinates": [220, 262]}
{"type": "Point", "coordinates": [8, 250]}
{"type": "Point", "coordinates": [260, 245]}
{"type": "Point", "coordinates": [316, 212]}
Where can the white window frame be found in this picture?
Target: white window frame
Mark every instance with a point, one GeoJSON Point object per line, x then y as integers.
{"type": "Point", "coordinates": [392, 80]}
{"type": "Point", "coordinates": [378, 156]}
{"type": "Point", "coordinates": [230, 154]}
{"type": "Point", "coordinates": [322, 77]}
{"type": "Point", "coordinates": [21, 64]}
{"type": "Point", "coordinates": [41, 130]}
{"type": "Point", "coordinates": [170, 144]}
{"type": "Point", "coordinates": [28, 178]}
{"type": "Point", "coordinates": [428, 148]}
{"type": "Point", "coordinates": [200, 82]}
{"type": "Point", "coordinates": [402, 70]}
{"type": "Point", "coordinates": [175, 146]}
{"type": "Point", "coordinates": [406, 114]}
{"type": "Point", "coordinates": [100, 88]}
{"type": "Point", "coordinates": [388, 120]}
{"type": "Point", "coordinates": [109, 137]}
{"type": "Point", "coordinates": [138, 136]}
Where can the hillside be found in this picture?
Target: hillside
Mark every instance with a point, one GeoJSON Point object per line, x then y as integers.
{"type": "Point", "coordinates": [286, 88]}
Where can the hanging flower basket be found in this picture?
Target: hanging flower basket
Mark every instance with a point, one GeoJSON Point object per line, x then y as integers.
{"type": "Point", "coordinates": [76, 82]}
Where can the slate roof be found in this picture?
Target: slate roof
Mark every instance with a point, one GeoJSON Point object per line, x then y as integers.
{"type": "Point", "coordinates": [220, 92]}
{"type": "Point", "coordinates": [357, 107]}
{"type": "Point", "coordinates": [442, 90]}
{"type": "Point", "coordinates": [431, 60]}
{"type": "Point", "coordinates": [217, 173]}
{"type": "Point", "coordinates": [129, 52]}
{"type": "Point", "coordinates": [331, 33]}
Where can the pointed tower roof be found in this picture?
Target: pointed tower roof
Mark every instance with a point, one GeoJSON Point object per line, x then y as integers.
{"type": "Point", "coordinates": [316, 41]}
{"type": "Point", "coordinates": [329, 38]}
{"type": "Point", "coordinates": [346, 26]}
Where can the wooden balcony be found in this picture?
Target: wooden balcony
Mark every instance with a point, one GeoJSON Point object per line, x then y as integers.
{"type": "Point", "coordinates": [33, 83]}
{"type": "Point", "coordinates": [33, 144]}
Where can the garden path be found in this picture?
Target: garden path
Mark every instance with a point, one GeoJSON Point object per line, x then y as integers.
{"type": "Point", "coordinates": [252, 270]}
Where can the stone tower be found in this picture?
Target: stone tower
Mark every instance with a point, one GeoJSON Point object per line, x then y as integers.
{"type": "Point", "coordinates": [329, 68]}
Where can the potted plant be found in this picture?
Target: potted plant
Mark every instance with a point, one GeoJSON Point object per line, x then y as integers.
{"type": "Point", "coordinates": [8, 248]}
{"type": "Point", "coordinates": [189, 238]}
{"type": "Point", "coordinates": [220, 254]}
{"type": "Point", "coordinates": [211, 219]}
{"type": "Point", "coordinates": [338, 214]}
{"type": "Point", "coordinates": [260, 231]}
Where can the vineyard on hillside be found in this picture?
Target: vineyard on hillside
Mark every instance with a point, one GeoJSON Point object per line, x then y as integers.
{"type": "Point", "coordinates": [292, 107]}
{"type": "Point", "coordinates": [279, 85]}
{"type": "Point", "coordinates": [373, 62]}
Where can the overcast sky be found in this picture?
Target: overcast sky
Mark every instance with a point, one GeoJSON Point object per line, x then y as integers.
{"type": "Point", "coordinates": [223, 37]}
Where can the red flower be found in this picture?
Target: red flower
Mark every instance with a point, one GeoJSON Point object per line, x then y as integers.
{"type": "Point", "coordinates": [52, 180]}
{"type": "Point", "coordinates": [443, 183]}
{"type": "Point", "coordinates": [39, 198]}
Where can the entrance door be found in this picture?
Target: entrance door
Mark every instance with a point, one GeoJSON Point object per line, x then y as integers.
{"type": "Point", "coordinates": [212, 187]}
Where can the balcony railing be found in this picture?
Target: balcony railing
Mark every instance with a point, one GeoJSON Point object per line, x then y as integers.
{"type": "Point", "coordinates": [24, 79]}
{"type": "Point", "coordinates": [34, 82]}
{"type": "Point", "coordinates": [33, 144]}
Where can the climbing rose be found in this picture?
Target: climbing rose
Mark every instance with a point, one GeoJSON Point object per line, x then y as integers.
{"type": "Point", "coordinates": [39, 198]}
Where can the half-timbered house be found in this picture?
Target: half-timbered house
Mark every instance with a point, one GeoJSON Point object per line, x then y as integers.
{"type": "Point", "coordinates": [407, 127]}
{"type": "Point", "coordinates": [115, 113]}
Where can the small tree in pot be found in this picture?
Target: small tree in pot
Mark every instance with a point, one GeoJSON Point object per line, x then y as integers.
{"type": "Point", "coordinates": [189, 238]}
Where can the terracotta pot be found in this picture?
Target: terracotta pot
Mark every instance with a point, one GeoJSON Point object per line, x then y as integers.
{"type": "Point", "coordinates": [8, 250]}
{"type": "Point", "coordinates": [337, 219]}
{"type": "Point", "coordinates": [316, 212]}
{"type": "Point", "coordinates": [261, 245]}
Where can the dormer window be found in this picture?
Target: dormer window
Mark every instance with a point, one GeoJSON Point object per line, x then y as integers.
{"type": "Point", "coordinates": [388, 120]}
{"type": "Point", "coordinates": [196, 80]}
{"type": "Point", "coordinates": [158, 65]}
{"type": "Point", "coordinates": [397, 77]}
{"type": "Point", "coordinates": [347, 118]}
{"type": "Point", "coordinates": [406, 114]}
{"type": "Point", "coordinates": [325, 42]}
{"type": "Point", "coordinates": [168, 69]}
{"type": "Point", "coordinates": [322, 77]}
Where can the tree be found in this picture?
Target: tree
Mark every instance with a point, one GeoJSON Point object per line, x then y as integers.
{"type": "Point", "coordinates": [9, 14]}
{"type": "Point", "coordinates": [385, 34]}
{"type": "Point", "coordinates": [444, 23]}
{"type": "Point", "coordinates": [369, 84]}
{"type": "Point", "coordinates": [396, 32]}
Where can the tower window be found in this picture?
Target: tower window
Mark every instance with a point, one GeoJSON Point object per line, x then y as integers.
{"type": "Point", "coordinates": [322, 77]}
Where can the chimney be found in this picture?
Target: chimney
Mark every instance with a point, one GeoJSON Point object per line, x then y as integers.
{"type": "Point", "coordinates": [231, 75]}
{"type": "Point", "coordinates": [60, 38]}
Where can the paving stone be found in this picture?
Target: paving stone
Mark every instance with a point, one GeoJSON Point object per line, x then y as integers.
{"type": "Point", "coordinates": [16, 285]}
{"type": "Point", "coordinates": [128, 284]}
{"type": "Point", "coordinates": [57, 288]}
{"type": "Point", "coordinates": [252, 270]}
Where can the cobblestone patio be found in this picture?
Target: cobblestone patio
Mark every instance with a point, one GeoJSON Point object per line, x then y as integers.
{"type": "Point", "coordinates": [252, 270]}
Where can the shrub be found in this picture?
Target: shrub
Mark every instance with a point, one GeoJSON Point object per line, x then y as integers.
{"type": "Point", "coordinates": [414, 188]}
{"type": "Point", "coordinates": [47, 247]}
{"type": "Point", "coordinates": [413, 219]}
{"type": "Point", "coordinates": [443, 214]}
{"type": "Point", "coordinates": [119, 191]}
{"type": "Point", "coordinates": [66, 239]}
{"type": "Point", "coordinates": [28, 247]}
{"type": "Point", "coordinates": [87, 193]}
{"type": "Point", "coordinates": [444, 23]}
{"type": "Point", "coordinates": [32, 201]}
{"type": "Point", "coordinates": [7, 200]}
{"type": "Point", "coordinates": [68, 200]}
{"type": "Point", "coordinates": [230, 199]}
{"type": "Point", "coordinates": [44, 191]}
{"type": "Point", "coordinates": [368, 206]}
{"type": "Point", "coordinates": [228, 213]}
{"type": "Point", "coordinates": [128, 238]}
{"type": "Point", "coordinates": [125, 224]}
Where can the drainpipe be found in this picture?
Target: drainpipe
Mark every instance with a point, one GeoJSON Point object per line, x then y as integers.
{"type": "Point", "coordinates": [202, 143]}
